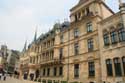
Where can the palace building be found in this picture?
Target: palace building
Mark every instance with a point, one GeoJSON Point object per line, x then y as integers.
{"type": "Point", "coordinates": [88, 49]}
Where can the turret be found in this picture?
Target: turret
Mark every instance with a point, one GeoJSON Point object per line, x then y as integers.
{"type": "Point", "coordinates": [25, 47]}
{"type": "Point", "coordinates": [122, 11]}
{"type": "Point", "coordinates": [35, 36]}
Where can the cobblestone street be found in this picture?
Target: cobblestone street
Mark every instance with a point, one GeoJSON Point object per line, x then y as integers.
{"type": "Point", "coordinates": [13, 80]}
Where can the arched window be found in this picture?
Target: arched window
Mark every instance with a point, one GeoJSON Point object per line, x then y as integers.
{"type": "Point", "coordinates": [106, 38]}
{"type": "Point", "coordinates": [123, 61]}
{"type": "Point", "coordinates": [109, 67]}
{"type": "Point", "coordinates": [117, 66]}
{"type": "Point", "coordinates": [121, 32]}
{"type": "Point", "coordinates": [113, 35]}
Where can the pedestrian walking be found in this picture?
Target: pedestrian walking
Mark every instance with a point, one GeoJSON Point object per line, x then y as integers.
{"type": "Point", "coordinates": [25, 76]}
{"type": "Point", "coordinates": [0, 75]}
{"type": "Point", "coordinates": [4, 78]}
{"type": "Point", "coordinates": [4, 75]}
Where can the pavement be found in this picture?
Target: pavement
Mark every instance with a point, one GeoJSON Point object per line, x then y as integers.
{"type": "Point", "coordinates": [13, 80]}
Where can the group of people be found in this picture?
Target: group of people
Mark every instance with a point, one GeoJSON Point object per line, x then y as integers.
{"type": "Point", "coordinates": [2, 75]}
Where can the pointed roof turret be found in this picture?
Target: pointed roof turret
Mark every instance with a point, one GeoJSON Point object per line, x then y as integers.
{"type": "Point", "coordinates": [35, 36]}
{"type": "Point", "coordinates": [25, 46]}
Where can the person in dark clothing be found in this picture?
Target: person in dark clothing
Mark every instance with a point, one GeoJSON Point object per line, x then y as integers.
{"type": "Point", "coordinates": [31, 76]}
{"type": "Point", "coordinates": [25, 76]}
{"type": "Point", "coordinates": [0, 74]}
{"type": "Point", "coordinates": [4, 75]}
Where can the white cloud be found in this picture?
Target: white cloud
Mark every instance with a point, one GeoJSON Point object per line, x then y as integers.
{"type": "Point", "coordinates": [18, 18]}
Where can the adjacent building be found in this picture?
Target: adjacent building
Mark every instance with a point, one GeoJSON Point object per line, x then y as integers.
{"type": "Point", "coordinates": [88, 49]}
{"type": "Point", "coordinates": [8, 59]}
{"type": "Point", "coordinates": [12, 60]}
{"type": "Point", "coordinates": [3, 57]}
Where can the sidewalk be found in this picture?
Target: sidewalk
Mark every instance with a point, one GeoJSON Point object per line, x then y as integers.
{"type": "Point", "coordinates": [13, 80]}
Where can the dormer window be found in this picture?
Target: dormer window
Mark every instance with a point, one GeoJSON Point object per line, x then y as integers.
{"type": "Point", "coordinates": [87, 11]}
{"type": "Point", "coordinates": [76, 17]}
{"type": "Point", "coordinates": [61, 39]}
{"type": "Point", "coordinates": [83, 12]}
{"type": "Point", "coordinates": [79, 15]}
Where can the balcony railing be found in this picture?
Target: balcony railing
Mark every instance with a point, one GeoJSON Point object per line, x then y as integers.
{"type": "Point", "coordinates": [52, 62]}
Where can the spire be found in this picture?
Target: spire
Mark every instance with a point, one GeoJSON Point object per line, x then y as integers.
{"type": "Point", "coordinates": [35, 36]}
{"type": "Point", "coordinates": [25, 46]}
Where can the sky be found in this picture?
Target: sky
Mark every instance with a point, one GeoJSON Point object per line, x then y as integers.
{"type": "Point", "coordinates": [20, 18]}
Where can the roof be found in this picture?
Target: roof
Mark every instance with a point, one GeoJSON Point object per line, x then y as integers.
{"type": "Point", "coordinates": [84, 1]}
{"type": "Point", "coordinates": [110, 17]}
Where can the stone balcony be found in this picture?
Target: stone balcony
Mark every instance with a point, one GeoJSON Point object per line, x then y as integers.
{"type": "Point", "coordinates": [55, 61]}
{"type": "Point", "coordinates": [32, 66]}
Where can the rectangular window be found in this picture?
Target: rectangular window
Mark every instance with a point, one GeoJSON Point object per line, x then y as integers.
{"type": "Point", "coordinates": [109, 67]}
{"type": "Point", "coordinates": [55, 71]}
{"type": "Point", "coordinates": [60, 71]}
{"type": "Point", "coordinates": [121, 34]}
{"type": "Point", "coordinates": [106, 39]}
{"type": "Point", "coordinates": [61, 39]}
{"type": "Point", "coordinates": [76, 49]}
{"type": "Point", "coordinates": [79, 15]}
{"type": "Point", "coordinates": [76, 19]}
{"type": "Point", "coordinates": [90, 44]}
{"type": "Point", "coordinates": [61, 53]}
{"type": "Point", "coordinates": [117, 66]}
{"type": "Point", "coordinates": [113, 37]}
{"type": "Point", "coordinates": [44, 72]}
{"type": "Point", "coordinates": [30, 59]}
{"type": "Point", "coordinates": [48, 71]}
{"type": "Point", "coordinates": [89, 27]}
{"type": "Point", "coordinates": [76, 70]}
{"type": "Point", "coordinates": [91, 69]}
{"type": "Point", "coordinates": [123, 61]}
{"type": "Point", "coordinates": [87, 11]}
{"type": "Point", "coordinates": [76, 33]}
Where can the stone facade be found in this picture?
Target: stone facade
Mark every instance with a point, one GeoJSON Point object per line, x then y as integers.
{"type": "Point", "coordinates": [80, 50]}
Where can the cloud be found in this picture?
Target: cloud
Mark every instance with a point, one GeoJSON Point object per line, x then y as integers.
{"type": "Point", "coordinates": [19, 18]}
